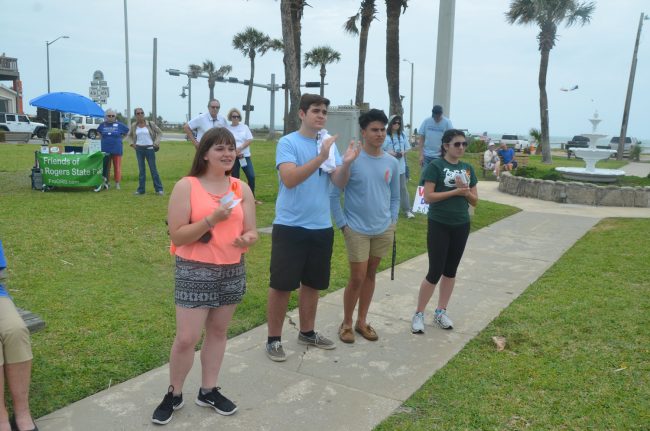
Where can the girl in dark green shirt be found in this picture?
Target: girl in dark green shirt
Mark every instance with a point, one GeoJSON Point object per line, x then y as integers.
{"type": "Point", "coordinates": [449, 188]}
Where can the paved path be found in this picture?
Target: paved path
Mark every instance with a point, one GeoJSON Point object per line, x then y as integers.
{"type": "Point", "coordinates": [638, 169]}
{"type": "Point", "coordinates": [354, 387]}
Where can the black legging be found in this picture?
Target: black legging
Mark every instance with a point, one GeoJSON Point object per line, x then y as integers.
{"type": "Point", "coordinates": [445, 247]}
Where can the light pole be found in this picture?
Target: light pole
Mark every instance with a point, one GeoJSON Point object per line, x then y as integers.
{"type": "Point", "coordinates": [176, 72]}
{"type": "Point", "coordinates": [47, 49]}
{"type": "Point", "coordinates": [189, 105]}
{"type": "Point", "coordinates": [410, 103]}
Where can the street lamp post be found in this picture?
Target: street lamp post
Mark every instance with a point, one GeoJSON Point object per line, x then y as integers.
{"type": "Point", "coordinates": [410, 103]}
{"type": "Point", "coordinates": [176, 72]}
{"type": "Point", "coordinates": [47, 49]}
{"type": "Point", "coordinates": [272, 87]}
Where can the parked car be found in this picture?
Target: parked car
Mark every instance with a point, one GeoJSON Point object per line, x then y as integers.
{"type": "Point", "coordinates": [515, 141]}
{"type": "Point", "coordinates": [613, 144]}
{"type": "Point", "coordinates": [12, 122]}
{"type": "Point", "coordinates": [86, 126]}
{"type": "Point", "coordinates": [578, 141]}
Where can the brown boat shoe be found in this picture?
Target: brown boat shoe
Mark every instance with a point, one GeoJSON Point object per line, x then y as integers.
{"type": "Point", "coordinates": [346, 334]}
{"type": "Point", "coordinates": [367, 332]}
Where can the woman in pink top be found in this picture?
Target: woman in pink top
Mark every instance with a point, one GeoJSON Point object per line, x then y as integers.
{"type": "Point", "coordinates": [211, 223]}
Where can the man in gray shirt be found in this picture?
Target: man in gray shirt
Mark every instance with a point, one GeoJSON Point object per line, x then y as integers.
{"type": "Point", "coordinates": [430, 135]}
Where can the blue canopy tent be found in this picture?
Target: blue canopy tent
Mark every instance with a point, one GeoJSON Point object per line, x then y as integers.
{"type": "Point", "coordinates": [68, 102]}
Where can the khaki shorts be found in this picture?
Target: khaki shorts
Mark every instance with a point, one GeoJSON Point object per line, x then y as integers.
{"type": "Point", "coordinates": [360, 246]}
{"type": "Point", "coordinates": [15, 346]}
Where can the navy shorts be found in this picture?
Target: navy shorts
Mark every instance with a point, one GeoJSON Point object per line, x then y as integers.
{"type": "Point", "coordinates": [300, 256]}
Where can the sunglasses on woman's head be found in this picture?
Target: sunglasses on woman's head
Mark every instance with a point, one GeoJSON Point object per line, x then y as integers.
{"type": "Point", "coordinates": [458, 144]}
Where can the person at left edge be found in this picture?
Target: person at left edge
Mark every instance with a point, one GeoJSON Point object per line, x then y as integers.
{"type": "Point", "coordinates": [15, 361]}
{"type": "Point", "coordinates": [111, 132]}
{"type": "Point", "coordinates": [204, 122]}
{"type": "Point", "coordinates": [145, 139]}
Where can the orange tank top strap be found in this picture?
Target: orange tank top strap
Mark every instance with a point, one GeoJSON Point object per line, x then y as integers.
{"type": "Point", "coordinates": [235, 187]}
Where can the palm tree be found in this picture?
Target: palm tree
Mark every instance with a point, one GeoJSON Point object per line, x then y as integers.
{"type": "Point", "coordinates": [194, 70]}
{"type": "Point", "coordinates": [251, 42]}
{"type": "Point", "coordinates": [367, 14]}
{"type": "Point", "coordinates": [548, 15]}
{"type": "Point", "coordinates": [214, 74]}
{"type": "Point", "coordinates": [291, 12]}
{"type": "Point", "coordinates": [394, 8]}
{"type": "Point", "coordinates": [537, 136]}
{"type": "Point", "coordinates": [322, 56]}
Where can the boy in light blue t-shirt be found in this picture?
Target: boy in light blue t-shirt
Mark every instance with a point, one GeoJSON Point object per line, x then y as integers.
{"type": "Point", "coordinates": [302, 238]}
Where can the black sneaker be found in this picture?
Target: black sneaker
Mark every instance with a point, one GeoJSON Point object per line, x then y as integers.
{"type": "Point", "coordinates": [214, 399]}
{"type": "Point", "coordinates": [165, 410]}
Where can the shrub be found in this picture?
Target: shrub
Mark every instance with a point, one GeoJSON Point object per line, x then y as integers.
{"type": "Point", "coordinates": [526, 172]}
{"type": "Point", "coordinates": [635, 152]}
{"type": "Point", "coordinates": [2, 135]}
{"type": "Point", "coordinates": [56, 136]}
{"type": "Point", "coordinates": [552, 175]}
{"type": "Point", "coordinates": [476, 146]}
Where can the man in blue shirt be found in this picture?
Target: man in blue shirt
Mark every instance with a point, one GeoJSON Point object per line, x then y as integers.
{"type": "Point", "coordinates": [508, 157]}
{"type": "Point", "coordinates": [368, 219]}
{"type": "Point", "coordinates": [430, 135]}
{"type": "Point", "coordinates": [302, 238]}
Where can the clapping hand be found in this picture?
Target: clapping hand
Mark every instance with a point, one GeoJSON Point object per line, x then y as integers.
{"type": "Point", "coordinates": [326, 145]}
{"type": "Point", "coordinates": [353, 151]}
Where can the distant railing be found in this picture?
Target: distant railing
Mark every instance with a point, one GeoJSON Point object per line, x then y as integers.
{"type": "Point", "coordinates": [8, 63]}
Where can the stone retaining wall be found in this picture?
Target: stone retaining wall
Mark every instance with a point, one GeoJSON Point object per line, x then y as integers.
{"type": "Point", "coordinates": [575, 192]}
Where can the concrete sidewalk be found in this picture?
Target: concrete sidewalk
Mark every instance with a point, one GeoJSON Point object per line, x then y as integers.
{"type": "Point", "coordinates": [354, 387]}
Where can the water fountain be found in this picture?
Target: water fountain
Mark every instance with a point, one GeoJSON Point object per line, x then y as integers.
{"type": "Point", "coordinates": [592, 155]}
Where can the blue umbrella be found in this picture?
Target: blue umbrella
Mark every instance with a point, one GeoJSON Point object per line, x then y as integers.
{"type": "Point", "coordinates": [68, 102]}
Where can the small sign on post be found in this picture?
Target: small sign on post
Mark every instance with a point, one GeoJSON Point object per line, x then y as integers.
{"type": "Point", "coordinates": [419, 205]}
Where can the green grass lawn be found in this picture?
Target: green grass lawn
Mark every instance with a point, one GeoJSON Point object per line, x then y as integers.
{"type": "Point", "coordinates": [96, 267]}
{"type": "Point", "coordinates": [577, 355]}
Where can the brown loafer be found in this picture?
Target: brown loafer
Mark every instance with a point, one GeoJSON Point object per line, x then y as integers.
{"type": "Point", "coordinates": [367, 332]}
{"type": "Point", "coordinates": [346, 334]}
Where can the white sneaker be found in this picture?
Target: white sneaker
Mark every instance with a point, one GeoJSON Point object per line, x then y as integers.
{"type": "Point", "coordinates": [104, 185]}
{"type": "Point", "coordinates": [417, 323]}
{"type": "Point", "coordinates": [441, 319]}
{"type": "Point", "coordinates": [409, 214]}
{"type": "Point", "coordinates": [117, 186]}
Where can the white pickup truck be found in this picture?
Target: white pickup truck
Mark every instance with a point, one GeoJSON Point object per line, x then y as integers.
{"type": "Point", "coordinates": [11, 122]}
{"type": "Point", "coordinates": [515, 141]}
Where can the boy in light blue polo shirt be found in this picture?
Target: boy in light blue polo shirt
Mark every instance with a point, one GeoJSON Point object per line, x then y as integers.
{"type": "Point", "coordinates": [302, 238]}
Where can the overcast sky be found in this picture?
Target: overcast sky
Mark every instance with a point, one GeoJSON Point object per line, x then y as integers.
{"type": "Point", "coordinates": [495, 65]}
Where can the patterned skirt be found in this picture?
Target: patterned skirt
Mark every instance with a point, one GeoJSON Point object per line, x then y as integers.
{"type": "Point", "coordinates": [206, 285]}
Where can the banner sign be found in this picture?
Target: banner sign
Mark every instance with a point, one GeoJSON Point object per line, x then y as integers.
{"type": "Point", "coordinates": [419, 205]}
{"type": "Point", "coordinates": [71, 170]}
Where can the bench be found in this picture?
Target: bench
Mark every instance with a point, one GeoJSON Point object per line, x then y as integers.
{"type": "Point", "coordinates": [522, 160]}
{"type": "Point", "coordinates": [16, 136]}
{"type": "Point", "coordinates": [34, 322]}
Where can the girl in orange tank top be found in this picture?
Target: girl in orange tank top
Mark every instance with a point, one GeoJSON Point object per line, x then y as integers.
{"type": "Point", "coordinates": [211, 220]}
